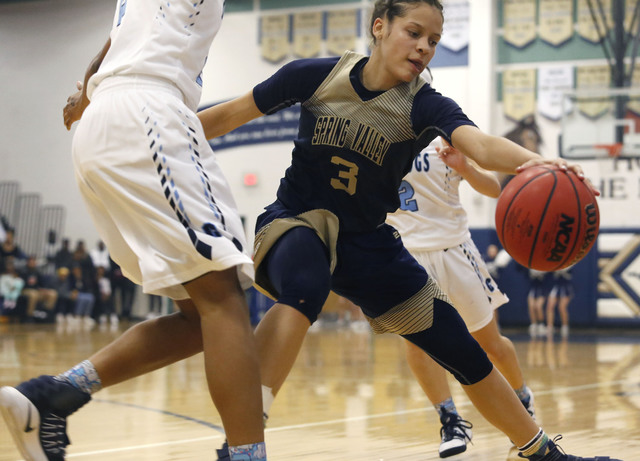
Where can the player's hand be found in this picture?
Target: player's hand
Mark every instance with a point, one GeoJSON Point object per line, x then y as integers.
{"type": "Point", "coordinates": [452, 157]}
{"type": "Point", "coordinates": [561, 164]}
{"type": "Point", "coordinates": [76, 104]}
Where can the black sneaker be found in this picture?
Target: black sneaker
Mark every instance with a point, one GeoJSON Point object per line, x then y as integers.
{"type": "Point", "coordinates": [555, 453]}
{"type": "Point", "coordinates": [36, 413]}
{"type": "Point", "coordinates": [223, 452]}
{"type": "Point", "coordinates": [455, 433]}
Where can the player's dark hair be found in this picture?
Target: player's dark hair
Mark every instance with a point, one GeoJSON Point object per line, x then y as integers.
{"type": "Point", "coordinates": [397, 8]}
{"type": "Point", "coordinates": [526, 124]}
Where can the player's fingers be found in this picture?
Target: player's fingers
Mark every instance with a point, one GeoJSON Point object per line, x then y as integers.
{"type": "Point", "coordinates": [79, 85]}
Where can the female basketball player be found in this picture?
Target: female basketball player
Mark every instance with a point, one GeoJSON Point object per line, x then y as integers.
{"type": "Point", "coordinates": [433, 226]}
{"type": "Point", "coordinates": [363, 120]}
{"type": "Point", "coordinates": [165, 211]}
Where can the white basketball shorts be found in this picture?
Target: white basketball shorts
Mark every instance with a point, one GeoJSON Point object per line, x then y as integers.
{"type": "Point", "coordinates": [462, 274]}
{"type": "Point", "coordinates": [154, 189]}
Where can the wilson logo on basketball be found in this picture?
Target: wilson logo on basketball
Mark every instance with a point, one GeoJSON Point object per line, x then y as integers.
{"type": "Point", "coordinates": [563, 238]}
{"type": "Point", "coordinates": [591, 211]}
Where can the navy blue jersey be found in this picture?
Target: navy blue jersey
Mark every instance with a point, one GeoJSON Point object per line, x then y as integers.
{"type": "Point", "coordinates": [354, 146]}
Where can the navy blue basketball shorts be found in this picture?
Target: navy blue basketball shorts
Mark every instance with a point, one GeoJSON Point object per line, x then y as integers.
{"type": "Point", "coordinates": [300, 258]}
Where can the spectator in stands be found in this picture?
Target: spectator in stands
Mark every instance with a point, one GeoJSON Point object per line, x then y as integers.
{"type": "Point", "coordinates": [10, 288]}
{"type": "Point", "coordinates": [124, 291]}
{"type": "Point", "coordinates": [64, 256]}
{"type": "Point", "coordinates": [104, 299]}
{"type": "Point", "coordinates": [81, 257]}
{"type": "Point", "coordinates": [82, 292]}
{"type": "Point", "coordinates": [10, 249]}
{"type": "Point", "coordinates": [36, 288]}
{"type": "Point", "coordinates": [65, 305]}
{"type": "Point", "coordinates": [100, 256]}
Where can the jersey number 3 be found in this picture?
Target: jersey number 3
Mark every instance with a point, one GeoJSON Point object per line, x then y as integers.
{"type": "Point", "coordinates": [347, 178]}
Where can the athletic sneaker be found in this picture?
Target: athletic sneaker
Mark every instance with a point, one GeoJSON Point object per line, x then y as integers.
{"type": "Point", "coordinates": [528, 403]}
{"type": "Point", "coordinates": [455, 433]}
{"type": "Point", "coordinates": [223, 452]}
{"type": "Point", "coordinates": [36, 413]}
{"type": "Point", "coordinates": [555, 453]}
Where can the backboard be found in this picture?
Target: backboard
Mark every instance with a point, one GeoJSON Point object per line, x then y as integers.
{"type": "Point", "coordinates": [598, 123]}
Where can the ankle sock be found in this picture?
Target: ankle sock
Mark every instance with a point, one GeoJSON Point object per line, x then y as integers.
{"type": "Point", "coordinates": [536, 446]}
{"type": "Point", "coordinates": [83, 376]}
{"type": "Point", "coordinates": [250, 452]}
{"type": "Point", "coordinates": [446, 406]}
{"type": "Point", "coordinates": [522, 392]}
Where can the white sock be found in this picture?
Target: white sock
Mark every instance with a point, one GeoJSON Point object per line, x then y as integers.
{"type": "Point", "coordinates": [267, 400]}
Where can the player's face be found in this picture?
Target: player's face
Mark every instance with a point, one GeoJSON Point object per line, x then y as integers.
{"type": "Point", "coordinates": [405, 46]}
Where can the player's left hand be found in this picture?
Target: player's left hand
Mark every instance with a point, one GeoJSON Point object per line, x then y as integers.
{"type": "Point", "coordinates": [452, 157]}
{"type": "Point", "coordinates": [561, 164]}
{"type": "Point", "coordinates": [76, 104]}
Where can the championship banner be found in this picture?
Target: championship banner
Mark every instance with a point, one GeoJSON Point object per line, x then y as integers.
{"type": "Point", "coordinates": [555, 20]}
{"type": "Point", "coordinates": [519, 93]}
{"type": "Point", "coordinates": [519, 22]}
{"type": "Point", "coordinates": [274, 37]}
{"type": "Point", "coordinates": [628, 16]}
{"type": "Point", "coordinates": [634, 103]}
{"type": "Point", "coordinates": [342, 30]}
{"type": "Point", "coordinates": [593, 78]}
{"type": "Point", "coordinates": [455, 35]}
{"type": "Point", "coordinates": [307, 34]}
{"type": "Point", "coordinates": [586, 27]}
{"type": "Point", "coordinates": [553, 82]}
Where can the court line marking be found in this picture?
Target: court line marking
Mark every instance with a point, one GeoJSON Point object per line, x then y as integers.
{"type": "Point", "coordinates": [327, 422]}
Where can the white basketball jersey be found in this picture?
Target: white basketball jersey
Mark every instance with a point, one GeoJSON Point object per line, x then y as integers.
{"type": "Point", "coordinates": [430, 216]}
{"type": "Point", "coordinates": [168, 39]}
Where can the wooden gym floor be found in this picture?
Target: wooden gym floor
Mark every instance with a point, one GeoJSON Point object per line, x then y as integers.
{"type": "Point", "coordinates": [351, 396]}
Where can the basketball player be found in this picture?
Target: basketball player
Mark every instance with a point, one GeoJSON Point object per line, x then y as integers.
{"type": "Point", "coordinates": [434, 229]}
{"type": "Point", "coordinates": [363, 120]}
{"type": "Point", "coordinates": [162, 206]}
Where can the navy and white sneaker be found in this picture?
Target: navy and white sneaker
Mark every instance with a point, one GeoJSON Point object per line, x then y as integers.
{"type": "Point", "coordinates": [223, 452]}
{"type": "Point", "coordinates": [555, 453]}
{"type": "Point", "coordinates": [528, 403]}
{"type": "Point", "coordinates": [455, 434]}
{"type": "Point", "coordinates": [36, 413]}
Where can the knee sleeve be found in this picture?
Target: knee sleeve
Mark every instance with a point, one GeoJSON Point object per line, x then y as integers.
{"type": "Point", "coordinates": [298, 268]}
{"type": "Point", "coordinates": [450, 344]}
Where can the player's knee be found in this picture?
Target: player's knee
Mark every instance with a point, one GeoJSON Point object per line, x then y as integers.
{"type": "Point", "coordinates": [450, 344]}
{"type": "Point", "coordinates": [307, 293]}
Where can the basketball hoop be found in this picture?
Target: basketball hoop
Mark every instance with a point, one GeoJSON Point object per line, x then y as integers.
{"type": "Point", "coordinates": [613, 150]}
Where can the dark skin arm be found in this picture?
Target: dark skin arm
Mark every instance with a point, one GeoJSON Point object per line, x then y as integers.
{"type": "Point", "coordinates": [78, 102]}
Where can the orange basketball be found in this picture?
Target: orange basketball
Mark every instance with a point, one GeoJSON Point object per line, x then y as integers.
{"type": "Point", "coordinates": [546, 218]}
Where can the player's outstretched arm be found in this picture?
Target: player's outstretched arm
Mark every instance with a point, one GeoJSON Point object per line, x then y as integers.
{"type": "Point", "coordinates": [481, 180]}
{"type": "Point", "coordinates": [227, 116]}
{"type": "Point", "coordinates": [500, 154]}
{"type": "Point", "coordinates": [78, 102]}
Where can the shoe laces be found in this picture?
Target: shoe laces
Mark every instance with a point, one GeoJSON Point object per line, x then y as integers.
{"type": "Point", "coordinates": [53, 435]}
{"type": "Point", "coordinates": [453, 426]}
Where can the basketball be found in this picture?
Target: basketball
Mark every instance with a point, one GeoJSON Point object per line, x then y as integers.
{"type": "Point", "coordinates": [546, 218]}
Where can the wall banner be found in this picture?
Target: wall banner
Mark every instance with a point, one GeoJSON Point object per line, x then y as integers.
{"type": "Point", "coordinates": [519, 93]}
{"type": "Point", "coordinates": [586, 28]}
{"type": "Point", "coordinates": [307, 34]}
{"type": "Point", "coordinates": [274, 37]}
{"type": "Point", "coordinates": [519, 22]}
{"type": "Point", "coordinates": [555, 18]}
{"type": "Point", "coordinates": [593, 78]}
{"type": "Point", "coordinates": [342, 31]}
{"type": "Point", "coordinates": [634, 103]}
{"type": "Point", "coordinates": [455, 35]}
{"type": "Point", "coordinates": [553, 82]}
